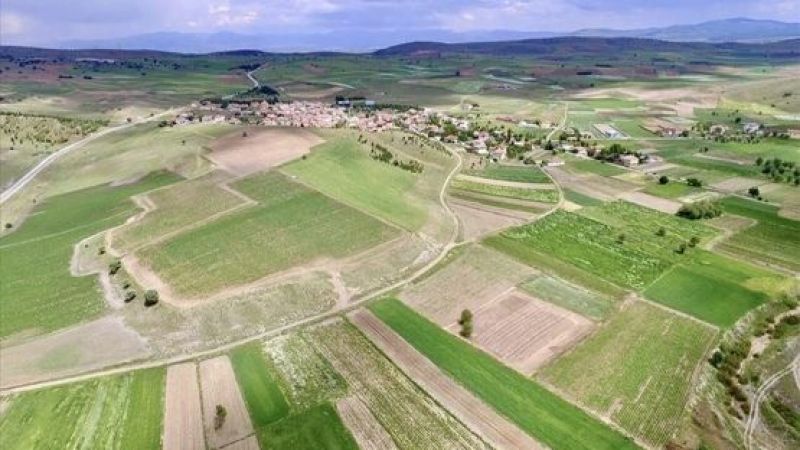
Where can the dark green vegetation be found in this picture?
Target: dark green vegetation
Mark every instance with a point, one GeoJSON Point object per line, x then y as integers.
{"type": "Point", "coordinates": [318, 427]}
{"type": "Point", "coordinates": [773, 240]}
{"type": "Point", "coordinates": [523, 174]}
{"type": "Point", "coordinates": [38, 293]}
{"type": "Point", "coordinates": [290, 225]}
{"type": "Point", "coordinates": [700, 210]}
{"type": "Point", "coordinates": [711, 287]}
{"type": "Point", "coordinates": [122, 411]}
{"type": "Point", "coordinates": [259, 386]}
{"type": "Point", "coordinates": [581, 199]}
{"type": "Point", "coordinates": [536, 410]}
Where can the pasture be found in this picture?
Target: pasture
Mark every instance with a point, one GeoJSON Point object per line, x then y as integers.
{"type": "Point", "coordinates": [536, 410]}
{"type": "Point", "coordinates": [38, 294]}
{"type": "Point", "coordinates": [291, 225]}
{"type": "Point", "coordinates": [638, 369]}
{"type": "Point", "coordinates": [116, 412]}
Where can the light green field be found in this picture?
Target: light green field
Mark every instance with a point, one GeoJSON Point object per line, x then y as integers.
{"type": "Point", "coordinates": [596, 167]}
{"type": "Point", "coordinates": [566, 295]}
{"type": "Point", "coordinates": [518, 193]}
{"type": "Point", "coordinates": [177, 207]}
{"type": "Point", "coordinates": [673, 189]}
{"type": "Point", "coordinates": [117, 412]}
{"type": "Point", "coordinates": [523, 174]}
{"type": "Point", "coordinates": [773, 240]}
{"type": "Point", "coordinates": [341, 169]}
{"type": "Point", "coordinates": [260, 387]}
{"type": "Point", "coordinates": [638, 368]}
{"type": "Point", "coordinates": [38, 293]}
{"type": "Point", "coordinates": [581, 199]}
{"type": "Point", "coordinates": [318, 427]}
{"type": "Point", "coordinates": [291, 225]}
{"type": "Point", "coordinates": [712, 288]}
{"type": "Point", "coordinates": [542, 414]}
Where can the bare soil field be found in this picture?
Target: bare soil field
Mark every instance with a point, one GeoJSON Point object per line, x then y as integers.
{"type": "Point", "coordinates": [525, 332]}
{"type": "Point", "coordinates": [219, 387]}
{"type": "Point", "coordinates": [477, 277]}
{"type": "Point", "coordinates": [737, 184]}
{"type": "Point", "coordinates": [367, 431]}
{"type": "Point", "coordinates": [478, 220]}
{"type": "Point", "coordinates": [183, 415]}
{"type": "Point", "coordinates": [681, 100]}
{"type": "Point", "coordinates": [92, 345]}
{"type": "Point", "coordinates": [494, 182]}
{"type": "Point", "coordinates": [261, 149]}
{"type": "Point", "coordinates": [595, 186]}
{"type": "Point", "coordinates": [651, 201]}
{"type": "Point", "coordinates": [476, 415]}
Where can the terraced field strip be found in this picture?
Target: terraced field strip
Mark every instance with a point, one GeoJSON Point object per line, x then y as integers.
{"type": "Point", "coordinates": [514, 191]}
{"type": "Point", "coordinates": [407, 413]}
{"type": "Point", "coordinates": [542, 414]}
{"type": "Point", "coordinates": [476, 415]}
{"type": "Point", "coordinates": [183, 415]}
{"type": "Point", "coordinates": [366, 430]}
{"type": "Point", "coordinates": [638, 369]}
{"type": "Point", "coordinates": [523, 174]}
{"type": "Point", "coordinates": [219, 387]}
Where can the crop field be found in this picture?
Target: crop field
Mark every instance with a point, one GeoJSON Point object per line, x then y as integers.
{"type": "Point", "coordinates": [341, 169]}
{"type": "Point", "coordinates": [218, 386]}
{"type": "Point", "coordinates": [464, 282]}
{"type": "Point", "coordinates": [316, 427]}
{"type": "Point", "coordinates": [569, 296]}
{"type": "Point", "coordinates": [672, 190]}
{"type": "Point", "coordinates": [523, 174]}
{"type": "Point", "coordinates": [546, 417]}
{"type": "Point", "coordinates": [773, 240]}
{"type": "Point", "coordinates": [117, 412]}
{"type": "Point", "coordinates": [38, 293]}
{"type": "Point", "coordinates": [581, 199]}
{"type": "Point", "coordinates": [712, 287]}
{"type": "Point", "coordinates": [411, 418]}
{"type": "Point", "coordinates": [177, 207]}
{"type": "Point", "coordinates": [663, 205]}
{"type": "Point", "coordinates": [496, 190]}
{"type": "Point", "coordinates": [637, 369]}
{"type": "Point", "coordinates": [183, 410]}
{"type": "Point", "coordinates": [260, 387]}
{"type": "Point", "coordinates": [291, 225]}
{"type": "Point", "coordinates": [596, 167]}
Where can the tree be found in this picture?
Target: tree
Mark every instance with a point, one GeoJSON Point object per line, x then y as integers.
{"type": "Point", "coordinates": [129, 296]}
{"type": "Point", "coordinates": [150, 297]}
{"type": "Point", "coordinates": [661, 232]}
{"type": "Point", "coordinates": [621, 238]}
{"type": "Point", "coordinates": [700, 210]}
{"type": "Point", "coordinates": [754, 192]}
{"type": "Point", "coordinates": [663, 180]}
{"type": "Point", "coordinates": [114, 267]}
{"type": "Point", "coordinates": [694, 182]}
{"type": "Point", "coordinates": [219, 417]}
{"type": "Point", "coordinates": [694, 241]}
{"type": "Point", "coordinates": [759, 161]}
{"type": "Point", "coordinates": [466, 323]}
{"type": "Point", "coordinates": [681, 249]}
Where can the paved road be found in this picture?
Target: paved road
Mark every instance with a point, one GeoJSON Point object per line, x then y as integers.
{"type": "Point", "coordinates": [38, 168]}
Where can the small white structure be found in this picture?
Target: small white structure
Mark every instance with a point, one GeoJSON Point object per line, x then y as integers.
{"type": "Point", "coordinates": [629, 160]}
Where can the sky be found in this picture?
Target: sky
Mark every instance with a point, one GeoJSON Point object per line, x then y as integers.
{"type": "Point", "coordinates": [42, 22]}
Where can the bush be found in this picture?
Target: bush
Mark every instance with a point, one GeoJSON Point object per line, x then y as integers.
{"type": "Point", "coordinates": [754, 192]}
{"type": "Point", "coordinates": [694, 182]}
{"type": "Point", "coordinates": [700, 210]}
{"type": "Point", "coordinates": [663, 180]}
{"type": "Point", "coordinates": [150, 297]}
{"type": "Point", "coordinates": [219, 417]}
{"type": "Point", "coordinates": [114, 267]}
{"type": "Point", "coordinates": [661, 232]}
{"type": "Point", "coordinates": [129, 296]}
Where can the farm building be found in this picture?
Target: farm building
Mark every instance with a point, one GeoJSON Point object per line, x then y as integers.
{"type": "Point", "coordinates": [608, 131]}
{"type": "Point", "coordinates": [629, 160]}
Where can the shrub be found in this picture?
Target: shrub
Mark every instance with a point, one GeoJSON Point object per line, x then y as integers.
{"type": "Point", "coordinates": [754, 192]}
{"type": "Point", "coordinates": [114, 267]}
{"type": "Point", "coordinates": [129, 296]}
{"type": "Point", "coordinates": [663, 180]}
{"type": "Point", "coordinates": [700, 210]}
{"type": "Point", "coordinates": [466, 323]}
{"type": "Point", "coordinates": [219, 417]}
{"type": "Point", "coordinates": [150, 297]}
{"type": "Point", "coordinates": [661, 232]}
{"type": "Point", "coordinates": [694, 182]}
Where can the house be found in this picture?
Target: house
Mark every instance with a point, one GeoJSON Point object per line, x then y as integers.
{"type": "Point", "coordinates": [629, 160]}
{"type": "Point", "coordinates": [555, 162]}
{"type": "Point", "coordinates": [751, 127]}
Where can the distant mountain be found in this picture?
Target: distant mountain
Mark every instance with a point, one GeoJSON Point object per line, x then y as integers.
{"type": "Point", "coordinates": [728, 30]}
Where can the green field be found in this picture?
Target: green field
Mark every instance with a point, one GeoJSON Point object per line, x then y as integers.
{"type": "Point", "coordinates": [291, 225]}
{"type": "Point", "coordinates": [673, 189]}
{"type": "Point", "coordinates": [116, 412]}
{"type": "Point", "coordinates": [318, 427]}
{"type": "Point", "coordinates": [517, 193]}
{"type": "Point", "coordinates": [38, 293]}
{"type": "Point", "coordinates": [339, 168]}
{"type": "Point", "coordinates": [581, 199]}
{"type": "Point", "coordinates": [259, 386]}
{"type": "Point", "coordinates": [773, 240]}
{"type": "Point", "coordinates": [566, 295]}
{"type": "Point", "coordinates": [712, 288]}
{"type": "Point", "coordinates": [539, 412]}
{"type": "Point", "coordinates": [596, 167]}
{"type": "Point", "coordinates": [522, 174]}
{"type": "Point", "coordinates": [638, 368]}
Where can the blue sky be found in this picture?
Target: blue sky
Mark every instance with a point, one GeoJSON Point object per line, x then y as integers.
{"type": "Point", "coordinates": [46, 21]}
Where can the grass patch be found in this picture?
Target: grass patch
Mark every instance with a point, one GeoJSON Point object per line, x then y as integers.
{"type": "Point", "coordinates": [522, 174]}
{"type": "Point", "coordinates": [260, 389]}
{"type": "Point", "coordinates": [291, 225]}
{"type": "Point", "coordinates": [117, 412]}
{"type": "Point", "coordinates": [533, 408]}
{"type": "Point", "coordinates": [38, 293]}
{"type": "Point", "coordinates": [639, 366]}
{"type": "Point", "coordinates": [518, 193]}
{"type": "Point", "coordinates": [581, 199]}
{"type": "Point", "coordinates": [566, 295]}
{"type": "Point", "coordinates": [673, 189]}
{"type": "Point", "coordinates": [596, 167]}
{"type": "Point", "coordinates": [318, 427]}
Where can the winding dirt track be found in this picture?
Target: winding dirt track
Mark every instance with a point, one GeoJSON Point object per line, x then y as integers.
{"type": "Point", "coordinates": [476, 415]}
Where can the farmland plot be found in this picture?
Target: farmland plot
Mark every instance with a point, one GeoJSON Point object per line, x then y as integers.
{"type": "Point", "coordinates": [569, 296]}
{"type": "Point", "coordinates": [637, 369]}
{"type": "Point", "coordinates": [367, 431]}
{"type": "Point", "coordinates": [219, 388]}
{"type": "Point", "coordinates": [291, 225]}
{"type": "Point", "coordinates": [503, 191]}
{"type": "Point", "coordinates": [524, 174]}
{"type": "Point", "coordinates": [118, 412]}
{"type": "Point", "coordinates": [412, 418]}
{"type": "Point", "coordinates": [183, 416]}
{"type": "Point", "coordinates": [259, 148]}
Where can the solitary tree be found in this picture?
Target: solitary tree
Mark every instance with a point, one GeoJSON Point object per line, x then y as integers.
{"type": "Point", "coordinates": [754, 192]}
{"type": "Point", "coordinates": [114, 267]}
{"type": "Point", "coordinates": [621, 238]}
{"type": "Point", "coordinates": [694, 241]}
{"type": "Point", "coordinates": [661, 232]}
{"type": "Point", "coordinates": [150, 297]}
{"type": "Point", "coordinates": [466, 323]}
{"type": "Point", "coordinates": [219, 417]}
{"type": "Point", "coordinates": [663, 180]}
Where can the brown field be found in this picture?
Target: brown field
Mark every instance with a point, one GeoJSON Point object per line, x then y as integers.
{"type": "Point", "coordinates": [88, 346]}
{"type": "Point", "coordinates": [183, 416]}
{"type": "Point", "coordinates": [367, 431]}
{"type": "Point", "coordinates": [477, 219]}
{"type": "Point", "coordinates": [651, 201]}
{"type": "Point", "coordinates": [219, 387]}
{"type": "Point", "coordinates": [262, 149]}
{"type": "Point", "coordinates": [525, 332]}
{"type": "Point", "coordinates": [476, 278]}
{"type": "Point", "coordinates": [737, 184]}
{"type": "Point", "coordinates": [477, 416]}
{"type": "Point", "coordinates": [595, 186]}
